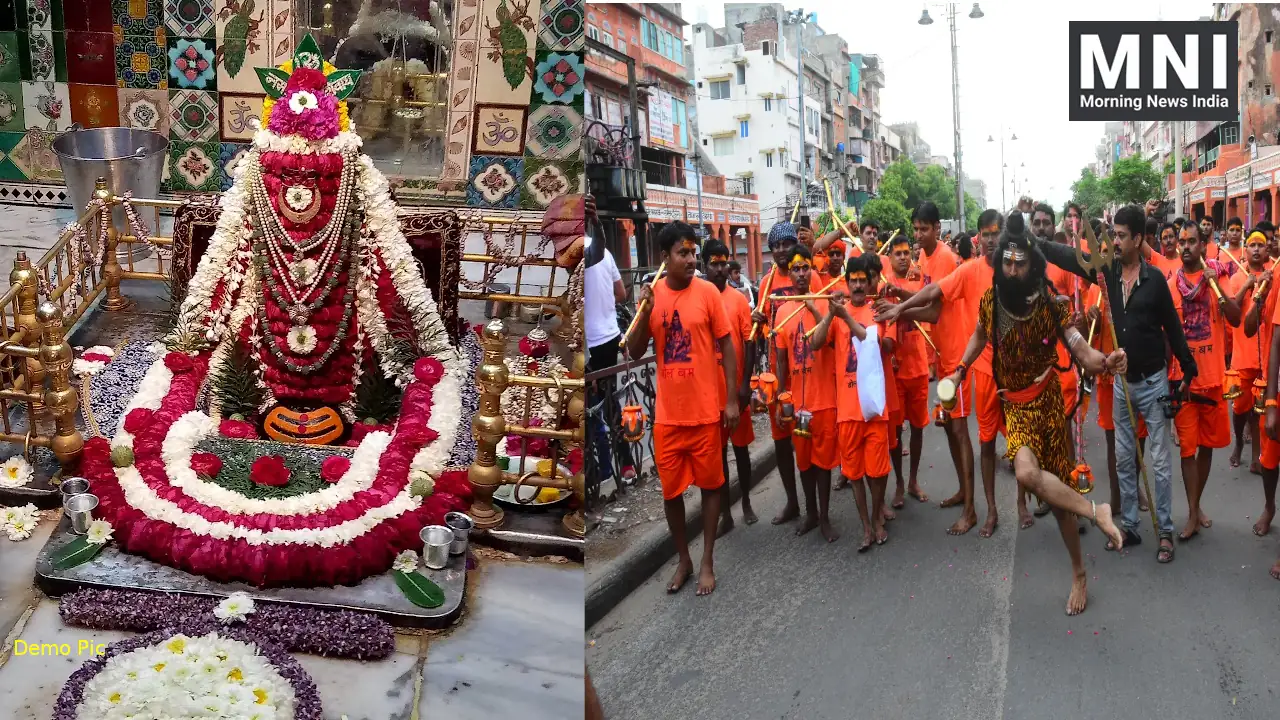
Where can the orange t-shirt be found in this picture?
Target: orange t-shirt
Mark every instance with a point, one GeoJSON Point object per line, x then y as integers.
{"type": "Point", "coordinates": [738, 313]}
{"type": "Point", "coordinates": [911, 349]}
{"type": "Point", "coordinates": [1167, 265]}
{"type": "Point", "coordinates": [961, 292]}
{"type": "Point", "coordinates": [942, 263]}
{"type": "Point", "coordinates": [780, 285]}
{"type": "Point", "coordinates": [812, 369]}
{"type": "Point", "coordinates": [1244, 355]}
{"type": "Point", "coordinates": [686, 327]}
{"type": "Point", "coordinates": [848, 405]}
{"type": "Point", "coordinates": [1064, 283]}
{"type": "Point", "coordinates": [1205, 328]}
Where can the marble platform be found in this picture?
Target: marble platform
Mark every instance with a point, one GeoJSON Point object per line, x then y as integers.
{"type": "Point", "coordinates": [378, 594]}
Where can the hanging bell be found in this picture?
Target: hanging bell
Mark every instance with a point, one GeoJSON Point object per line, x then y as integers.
{"type": "Point", "coordinates": [804, 419]}
{"type": "Point", "coordinates": [786, 410]}
{"type": "Point", "coordinates": [633, 423]}
{"type": "Point", "coordinates": [1082, 479]}
{"type": "Point", "coordinates": [1231, 385]}
{"type": "Point", "coordinates": [1260, 396]}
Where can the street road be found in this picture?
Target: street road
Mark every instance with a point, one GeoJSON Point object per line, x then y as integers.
{"type": "Point", "coordinates": [931, 626]}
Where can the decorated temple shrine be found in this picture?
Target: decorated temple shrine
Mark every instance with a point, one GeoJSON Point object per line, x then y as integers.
{"type": "Point", "coordinates": [303, 375]}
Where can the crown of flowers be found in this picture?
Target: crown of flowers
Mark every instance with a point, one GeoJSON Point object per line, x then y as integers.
{"type": "Point", "coordinates": [313, 92]}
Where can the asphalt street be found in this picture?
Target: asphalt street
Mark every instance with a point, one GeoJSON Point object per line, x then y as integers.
{"type": "Point", "coordinates": [933, 626]}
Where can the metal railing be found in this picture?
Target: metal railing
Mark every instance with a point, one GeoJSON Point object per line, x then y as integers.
{"type": "Point", "coordinates": [608, 391]}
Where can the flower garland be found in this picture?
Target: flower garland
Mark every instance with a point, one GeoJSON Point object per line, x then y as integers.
{"type": "Point", "coordinates": [92, 360]}
{"type": "Point", "coordinates": [544, 403]}
{"type": "Point", "coordinates": [15, 472]}
{"type": "Point", "coordinates": [299, 629]}
{"type": "Point", "coordinates": [19, 522]}
{"type": "Point", "coordinates": [198, 670]}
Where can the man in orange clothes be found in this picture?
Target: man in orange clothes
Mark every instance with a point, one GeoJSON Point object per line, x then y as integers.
{"type": "Point", "coordinates": [806, 371]}
{"type": "Point", "coordinates": [1167, 260]}
{"type": "Point", "coordinates": [864, 441]}
{"type": "Point", "coordinates": [685, 317]}
{"type": "Point", "coordinates": [1247, 351]}
{"type": "Point", "coordinates": [911, 375]}
{"type": "Point", "coordinates": [1203, 421]}
{"type": "Point", "coordinates": [1270, 456]}
{"type": "Point", "coordinates": [1259, 320]}
{"type": "Point", "coordinates": [782, 239]}
{"type": "Point", "coordinates": [740, 437]}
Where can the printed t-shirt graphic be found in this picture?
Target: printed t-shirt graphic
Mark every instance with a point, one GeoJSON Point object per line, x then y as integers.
{"type": "Point", "coordinates": [686, 325]}
{"type": "Point", "coordinates": [812, 369]}
{"type": "Point", "coordinates": [910, 352]}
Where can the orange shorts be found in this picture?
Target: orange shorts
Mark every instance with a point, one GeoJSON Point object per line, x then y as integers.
{"type": "Point", "coordinates": [913, 398]}
{"type": "Point", "coordinates": [864, 449]}
{"type": "Point", "coordinates": [687, 455]}
{"type": "Point", "coordinates": [1244, 403]}
{"type": "Point", "coordinates": [964, 395]}
{"type": "Point", "coordinates": [1270, 453]}
{"type": "Point", "coordinates": [1070, 383]}
{"type": "Point", "coordinates": [1202, 426]}
{"type": "Point", "coordinates": [1104, 392]}
{"type": "Point", "coordinates": [819, 449]}
{"type": "Point", "coordinates": [742, 435]}
{"type": "Point", "coordinates": [987, 405]}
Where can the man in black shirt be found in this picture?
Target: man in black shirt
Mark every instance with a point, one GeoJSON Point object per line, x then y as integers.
{"type": "Point", "coordinates": [1147, 327]}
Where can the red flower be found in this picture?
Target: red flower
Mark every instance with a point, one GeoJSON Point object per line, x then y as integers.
{"type": "Point", "coordinates": [238, 429]}
{"type": "Point", "coordinates": [306, 79]}
{"type": "Point", "coordinates": [574, 461]}
{"type": "Point", "coordinates": [178, 363]}
{"type": "Point", "coordinates": [95, 357]}
{"type": "Point", "coordinates": [269, 470]}
{"type": "Point", "coordinates": [206, 464]}
{"type": "Point", "coordinates": [137, 420]}
{"type": "Point", "coordinates": [534, 348]}
{"type": "Point", "coordinates": [334, 467]}
{"type": "Point", "coordinates": [429, 370]}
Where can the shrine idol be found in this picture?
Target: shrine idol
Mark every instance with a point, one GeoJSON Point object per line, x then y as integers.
{"type": "Point", "coordinates": [297, 427]}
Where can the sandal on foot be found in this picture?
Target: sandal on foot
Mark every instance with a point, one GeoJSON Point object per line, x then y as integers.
{"type": "Point", "coordinates": [1131, 539]}
{"type": "Point", "coordinates": [1165, 553]}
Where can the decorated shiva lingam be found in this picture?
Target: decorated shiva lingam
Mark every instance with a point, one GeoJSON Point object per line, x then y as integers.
{"type": "Point", "coordinates": [1231, 385]}
{"type": "Point", "coordinates": [297, 427]}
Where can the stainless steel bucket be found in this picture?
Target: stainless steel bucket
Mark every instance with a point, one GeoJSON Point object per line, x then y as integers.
{"type": "Point", "coordinates": [130, 161]}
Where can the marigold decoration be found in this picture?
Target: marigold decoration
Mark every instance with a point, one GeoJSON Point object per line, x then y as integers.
{"type": "Point", "coordinates": [335, 83]}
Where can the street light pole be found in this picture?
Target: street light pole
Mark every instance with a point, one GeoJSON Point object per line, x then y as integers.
{"type": "Point", "coordinates": [975, 13]}
{"type": "Point", "coordinates": [1004, 205]}
{"type": "Point", "coordinates": [797, 18]}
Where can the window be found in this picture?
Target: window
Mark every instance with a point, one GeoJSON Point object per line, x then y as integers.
{"type": "Point", "coordinates": [746, 186]}
{"type": "Point", "coordinates": [622, 46]}
{"type": "Point", "coordinates": [720, 90]}
{"type": "Point", "coordinates": [607, 39]}
{"type": "Point", "coordinates": [1268, 36]}
{"type": "Point", "coordinates": [742, 128]}
{"type": "Point", "coordinates": [742, 74]}
{"type": "Point", "coordinates": [765, 46]}
{"type": "Point", "coordinates": [768, 159]}
{"type": "Point", "coordinates": [1231, 133]}
{"type": "Point", "coordinates": [680, 112]}
{"type": "Point", "coordinates": [768, 104]}
{"type": "Point", "coordinates": [722, 146]}
{"type": "Point", "coordinates": [593, 32]}
{"type": "Point", "coordinates": [597, 107]}
{"type": "Point", "coordinates": [679, 51]}
{"type": "Point", "coordinates": [1266, 90]}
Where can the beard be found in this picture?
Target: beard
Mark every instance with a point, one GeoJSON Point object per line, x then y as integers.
{"type": "Point", "coordinates": [1016, 293]}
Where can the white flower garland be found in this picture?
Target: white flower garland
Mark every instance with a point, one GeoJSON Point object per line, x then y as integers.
{"type": "Point", "coordinates": [151, 392]}
{"type": "Point", "coordinates": [344, 142]}
{"type": "Point", "coordinates": [81, 367]}
{"type": "Point", "coordinates": [226, 259]}
{"type": "Point", "coordinates": [446, 413]}
{"type": "Point", "coordinates": [544, 401]}
{"type": "Point", "coordinates": [204, 677]}
{"type": "Point", "coordinates": [179, 445]}
{"type": "Point", "coordinates": [19, 522]}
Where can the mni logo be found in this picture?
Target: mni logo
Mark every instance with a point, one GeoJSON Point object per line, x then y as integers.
{"type": "Point", "coordinates": [1153, 70]}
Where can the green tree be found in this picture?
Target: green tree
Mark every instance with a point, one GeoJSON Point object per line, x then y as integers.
{"type": "Point", "coordinates": [971, 212]}
{"type": "Point", "coordinates": [889, 214]}
{"type": "Point", "coordinates": [1090, 193]}
{"type": "Point", "coordinates": [1134, 181]}
{"type": "Point", "coordinates": [1168, 165]}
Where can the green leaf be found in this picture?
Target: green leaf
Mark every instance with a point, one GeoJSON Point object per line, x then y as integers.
{"type": "Point", "coordinates": [420, 591]}
{"type": "Point", "coordinates": [515, 51]}
{"type": "Point", "coordinates": [274, 81]}
{"type": "Point", "coordinates": [76, 552]}
{"type": "Point", "coordinates": [308, 54]}
{"type": "Point", "coordinates": [234, 44]}
{"type": "Point", "coordinates": [342, 83]}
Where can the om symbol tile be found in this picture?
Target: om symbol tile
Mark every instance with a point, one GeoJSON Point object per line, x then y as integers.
{"type": "Point", "coordinates": [499, 129]}
{"type": "Point", "coordinates": [239, 116]}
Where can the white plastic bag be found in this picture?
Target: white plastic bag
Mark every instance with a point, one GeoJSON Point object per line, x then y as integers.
{"type": "Point", "coordinates": [870, 375]}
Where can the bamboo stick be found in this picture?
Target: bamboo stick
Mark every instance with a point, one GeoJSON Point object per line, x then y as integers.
{"type": "Point", "coordinates": [819, 294]}
{"type": "Point", "coordinates": [640, 310]}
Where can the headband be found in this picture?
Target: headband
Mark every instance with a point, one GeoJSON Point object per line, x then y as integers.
{"type": "Point", "coordinates": [1256, 234]}
{"type": "Point", "coordinates": [797, 262]}
{"type": "Point", "coordinates": [838, 246]}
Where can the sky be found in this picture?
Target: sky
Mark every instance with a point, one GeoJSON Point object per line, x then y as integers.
{"type": "Point", "coordinates": [1013, 73]}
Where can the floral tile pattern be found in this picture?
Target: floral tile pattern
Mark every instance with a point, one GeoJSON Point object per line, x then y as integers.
{"type": "Point", "coordinates": [137, 17]}
{"type": "Point", "coordinates": [244, 38]}
{"type": "Point", "coordinates": [239, 116]}
{"type": "Point", "coordinates": [8, 169]}
{"type": "Point", "coordinates": [555, 133]}
{"type": "Point", "coordinates": [94, 105]}
{"type": "Point", "coordinates": [228, 156]}
{"type": "Point", "coordinates": [46, 105]}
{"type": "Point", "coordinates": [546, 180]}
{"type": "Point", "coordinates": [10, 63]}
{"type": "Point", "coordinates": [195, 166]}
{"type": "Point", "coordinates": [561, 26]}
{"type": "Point", "coordinates": [495, 181]}
{"type": "Point", "coordinates": [191, 63]}
{"type": "Point", "coordinates": [141, 61]}
{"type": "Point", "coordinates": [144, 109]}
{"type": "Point", "coordinates": [193, 115]}
{"type": "Point", "coordinates": [189, 18]}
{"type": "Point", "coordinates": [559, 77]}
{"type": "Point", "coordinates": [11, 113]}
{"type": "Point", "coordinates": [33, 154]}
{"type": "Point", "coordinates": [41, 60]}
{"type": "Point", "coordinates": [40, 14]}
{"type": "Point", "coordinates": [91, 58]}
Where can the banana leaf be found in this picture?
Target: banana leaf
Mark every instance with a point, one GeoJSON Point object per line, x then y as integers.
{"type": "Point", "coordinates": [76, 552]}
{"type": "Point", "coordinates": [418, 589]}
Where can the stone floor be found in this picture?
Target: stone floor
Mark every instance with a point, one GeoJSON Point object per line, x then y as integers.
{"type": "Point", "coordinates": [517, 650]}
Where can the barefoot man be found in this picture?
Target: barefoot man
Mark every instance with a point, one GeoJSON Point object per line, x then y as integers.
{"type": "Point", "coordinates": [911, 375]}
{"type": "Point", "coordinates": [1247, 351]}
{"type": "Point", "coordinates": [738, 314]}
{"type": "Point", "coordinates": [863, 441]}
{"type": "Point", "coordinates": [1024, 324]}
{"type": "Point", "coordinates": [685, 317]}
{"type": "Point", "coordinates": [807, 370]}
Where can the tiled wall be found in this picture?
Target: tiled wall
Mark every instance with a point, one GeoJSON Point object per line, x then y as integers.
{"type": "Point", "coordinates": [184, 68]}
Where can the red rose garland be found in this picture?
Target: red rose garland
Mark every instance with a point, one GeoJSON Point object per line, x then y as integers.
{"type": "Point", "coordinates": [334, 467]}
{"type": "Point", "coordinates": [238, 429]}
{"type": "Point", "coordinates": [270, 470]}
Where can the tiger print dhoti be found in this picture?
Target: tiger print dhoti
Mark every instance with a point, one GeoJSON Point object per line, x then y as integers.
{"type": "Point", "coordinates": [1040, 425]}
